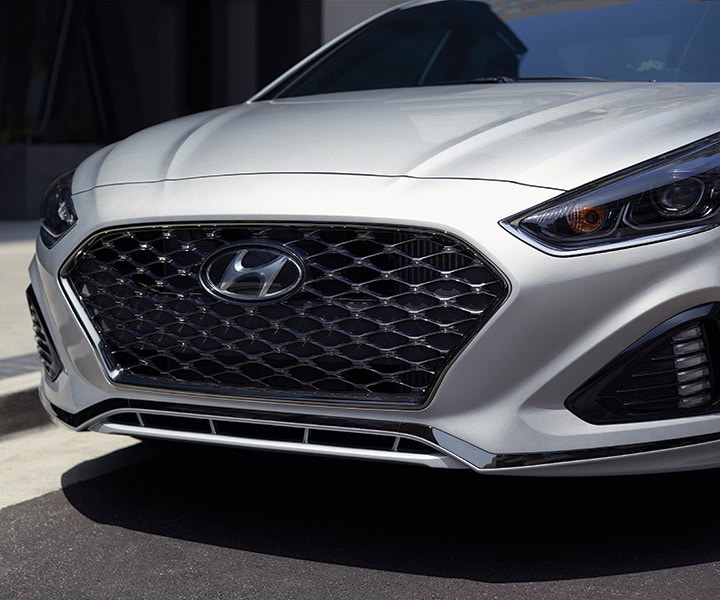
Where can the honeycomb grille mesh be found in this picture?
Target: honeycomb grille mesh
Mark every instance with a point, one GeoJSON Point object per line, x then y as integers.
{"type": "Point", "coordinates": [378, 316]}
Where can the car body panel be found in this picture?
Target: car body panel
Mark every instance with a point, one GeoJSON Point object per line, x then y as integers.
{"type": "Point", "coordinates": [555, 135]}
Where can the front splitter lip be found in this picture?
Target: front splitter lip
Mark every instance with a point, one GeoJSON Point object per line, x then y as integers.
{"type": "Point", "coordinates": [443, 450]}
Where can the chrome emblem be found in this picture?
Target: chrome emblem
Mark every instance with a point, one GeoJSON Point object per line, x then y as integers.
{"type": "Point", "coordinates": [251, 273]}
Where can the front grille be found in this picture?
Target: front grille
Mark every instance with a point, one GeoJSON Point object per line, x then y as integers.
{"type": "Point", "coordinates": [379, 315]}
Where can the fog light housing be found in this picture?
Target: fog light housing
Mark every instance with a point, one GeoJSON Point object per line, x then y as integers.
{"type": "Point", "coordinates": [694, 383]}
{"type": "Point", "coordinates": [45, 347]}
{"type": "Point", "coordinates": [669, 373]}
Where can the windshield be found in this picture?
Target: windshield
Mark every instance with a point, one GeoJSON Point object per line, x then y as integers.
{"type": "Point", "coordinates": [467, 40]}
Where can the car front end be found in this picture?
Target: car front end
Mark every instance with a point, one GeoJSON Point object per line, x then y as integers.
{"type": "Point", "coordinates": [516, 279]}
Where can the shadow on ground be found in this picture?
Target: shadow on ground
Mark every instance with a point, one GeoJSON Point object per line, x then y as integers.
{"type": "Point", "coordinates": [453, 524]}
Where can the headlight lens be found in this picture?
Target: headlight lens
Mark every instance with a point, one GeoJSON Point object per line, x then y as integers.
{"type": "Point", "coordinates": [673, 195]}
{"type": "Point", "coordinates": [58, 211]}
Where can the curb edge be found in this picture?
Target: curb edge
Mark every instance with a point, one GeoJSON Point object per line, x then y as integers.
{"type": "Point", "coordinates": [20, 406]}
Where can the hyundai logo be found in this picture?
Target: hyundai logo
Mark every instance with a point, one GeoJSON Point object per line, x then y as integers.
{"type": "Point", "coordinates": [251, 273]}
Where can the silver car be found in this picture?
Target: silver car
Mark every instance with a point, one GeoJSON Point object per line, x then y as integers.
{"type": "Point", "coordinates": [462, 235]}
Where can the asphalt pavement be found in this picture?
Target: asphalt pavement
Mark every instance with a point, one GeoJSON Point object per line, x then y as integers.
{"type": "Point", "coordinates": [19, 364]}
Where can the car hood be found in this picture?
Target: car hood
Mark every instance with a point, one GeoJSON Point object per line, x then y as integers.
{"type": "Point", "coordinates": [557, 135]}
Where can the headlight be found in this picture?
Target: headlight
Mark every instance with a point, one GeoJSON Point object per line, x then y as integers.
{"type": "Point", "coordinates": [58, 212]}
{"type": "Point", "coordinates": [669, 196]}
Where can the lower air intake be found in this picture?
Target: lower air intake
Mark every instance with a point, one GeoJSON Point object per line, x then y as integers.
{"type": "Point", "coordinates": [670, 373]}
{"type": "Point", "coordinates": [48, 355]}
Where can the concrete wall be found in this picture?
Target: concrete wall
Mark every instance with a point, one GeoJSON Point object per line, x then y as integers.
{"type": "Point", "coordinates": [339, 15]}
{"type": "Point", "coordinates": [26, 171]}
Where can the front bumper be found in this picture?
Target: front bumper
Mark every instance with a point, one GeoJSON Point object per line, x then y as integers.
{"type": "Point", "coordinates": [500, 406]}
{"type": "Point", "coordinates": [410, 444]}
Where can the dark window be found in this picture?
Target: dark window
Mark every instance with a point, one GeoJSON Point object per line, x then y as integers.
{"type": "Point", "coordinates": [430, 44]}
{"type": "Point", "coordinates": [466, 40]}
{"type": "Point", "coordinates": [662, 41]}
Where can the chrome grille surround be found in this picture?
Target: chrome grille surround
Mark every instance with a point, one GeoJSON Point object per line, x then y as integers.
{"type": "Point", "coordinates": [380, 315]}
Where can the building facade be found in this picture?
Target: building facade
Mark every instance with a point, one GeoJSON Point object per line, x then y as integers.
{"type": "Point", "coordinates": [78, 74]}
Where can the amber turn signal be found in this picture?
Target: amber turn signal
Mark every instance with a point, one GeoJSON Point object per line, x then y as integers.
{"type": "Point", "coordinates": [586, 219]}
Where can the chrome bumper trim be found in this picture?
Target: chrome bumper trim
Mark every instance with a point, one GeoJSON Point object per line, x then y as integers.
{"type": "Point", "coordinates": [435, 460]}
{"type": "Point", "coordinates": [353, 438]}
